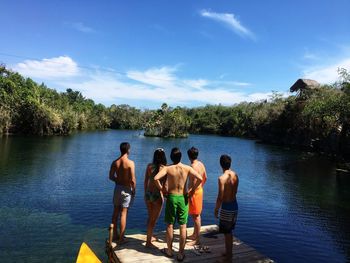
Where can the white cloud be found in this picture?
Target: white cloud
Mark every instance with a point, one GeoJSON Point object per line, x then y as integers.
{"type": "Point", "coordinates": [242, 84]}
{"type": "Point", "coordinates": [81, 27]}
{"type": "Point", "coordinates": [152, 86]}
{"type": "Point", "coordinates": [107, 87]}
{"type": "Point", "coordinates": [229, 20]}
{"type": "Point", "coordinates": [48, 68]}
{"type": "Point", "coordinates": [229, 83]}
{"type": "Point", "coordinates": [160, 77]}
{"type": "Point", "coordinates": [196, 83]}
{"type": "Point", "coordinates": [327, 74]}
{"type": "Point", "coordinates": [161, 85]}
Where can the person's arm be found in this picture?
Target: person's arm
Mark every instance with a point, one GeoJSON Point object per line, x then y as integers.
{"type": "Point", "coordinates": [112, 172]}
{"type": "Point", "coordinates": [145, 183]}
{"type": "Point", "coordinates": [237, 181]}
{"type": "Point", "coordinates": [194, 173]}
{"type": "Point", "coordinates": [133, 178]}
{"type": "Point", "coordinates": [204, 176]}
{"type": "Point", "coordinates": [220, 197]}
{"type": "Point", "coordinates": [159, 176]}
{"type": "Point", "coordinates": [164, 183]}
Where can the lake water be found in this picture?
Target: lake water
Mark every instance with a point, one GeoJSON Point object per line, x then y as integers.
{"type": "Point", "coordinates": [55, 194]}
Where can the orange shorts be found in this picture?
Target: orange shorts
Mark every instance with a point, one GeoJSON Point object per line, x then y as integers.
{"type": "Point", "coordinates": [196, 202]}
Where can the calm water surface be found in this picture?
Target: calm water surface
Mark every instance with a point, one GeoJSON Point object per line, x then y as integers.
{"type": "Point", "coordinates": [55, 193]}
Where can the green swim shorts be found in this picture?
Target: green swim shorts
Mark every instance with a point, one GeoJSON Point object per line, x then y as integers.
{"type": "Point", "coordinates": [176, 209]}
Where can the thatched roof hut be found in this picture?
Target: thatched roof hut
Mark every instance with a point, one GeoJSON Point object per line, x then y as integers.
{"type": "Point", "coordinates": [304, 84]}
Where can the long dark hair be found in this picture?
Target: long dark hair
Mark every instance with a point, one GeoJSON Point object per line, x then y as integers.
{"type": "Point", "coordinates": [159, 158]}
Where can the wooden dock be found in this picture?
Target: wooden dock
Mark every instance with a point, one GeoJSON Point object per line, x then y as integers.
{"type": "Point", "coordinates": [135, 251]}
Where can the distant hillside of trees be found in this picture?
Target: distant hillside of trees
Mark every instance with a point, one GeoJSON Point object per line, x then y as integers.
{"type": "Point", "coordinates": [316, 119]}
{"type": "Point", "coordinates": [29, 108]}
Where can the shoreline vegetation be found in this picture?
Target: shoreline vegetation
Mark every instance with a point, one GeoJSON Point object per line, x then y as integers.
{"type": "Point", "coordinates": [313, 118]}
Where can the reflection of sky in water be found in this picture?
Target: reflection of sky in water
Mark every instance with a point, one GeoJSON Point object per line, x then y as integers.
{"type": "Point", "coordinates": [55, 193]}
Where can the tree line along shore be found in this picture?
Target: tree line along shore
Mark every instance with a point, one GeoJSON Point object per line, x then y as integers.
{"type": "Point", "coordinates": [315, 118]}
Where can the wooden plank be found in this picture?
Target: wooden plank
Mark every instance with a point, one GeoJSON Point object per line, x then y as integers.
{"type": "Point", "coordinates": [135, 251]}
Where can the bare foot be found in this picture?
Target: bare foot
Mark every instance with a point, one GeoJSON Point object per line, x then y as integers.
{"type": "Point", "coordinates": [193, 242]}
{"type": "Point", "coordinates": [115, 236]}
{"type": "Point", "coordinates": [122, 241]}
{"type": "Point", "coordinates": [150, 245]}
{"type": "Point", "coordinates": [166, 252]}
{"type": "Point", "coordinates": [154, 239]}
{"type": "Point", "coordinates": [180, 257]}
{"type": "Point", "coordinates": [192, 237]}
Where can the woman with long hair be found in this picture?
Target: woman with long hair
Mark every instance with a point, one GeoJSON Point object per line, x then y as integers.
{"type": "Point", "coordinates": [153, 197]}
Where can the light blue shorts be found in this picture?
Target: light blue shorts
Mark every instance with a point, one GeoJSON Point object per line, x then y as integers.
{"type": "Point", "coordinates": [122, 196]}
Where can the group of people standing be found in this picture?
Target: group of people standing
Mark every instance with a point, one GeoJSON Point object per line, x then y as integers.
{"type": "Point", "coordinates": [182, 187]}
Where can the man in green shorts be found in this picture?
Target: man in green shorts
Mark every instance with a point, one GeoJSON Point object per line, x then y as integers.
{"type": "Point", "coordinates": [176, 208]}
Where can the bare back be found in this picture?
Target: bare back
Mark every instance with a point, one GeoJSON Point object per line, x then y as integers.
{"type": "Point", "coordinates": [177, 175]}
{"type": "Point", "coordinates": [229, 184]}
{"type": "Point", "coordinates": [199, 168]}
{"type": "Point", "coordinates": [149, 177]}
{"type": "Point", "coordinates": [123, 168]}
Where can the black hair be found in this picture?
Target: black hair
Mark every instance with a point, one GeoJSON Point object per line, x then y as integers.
{"type": "Point", "coordinates": [225, 161]}
{"type": "Point", "coordinates": [159, 158]}
{"type": "Point", "coordinates": [124, 147]}
{"type": "Point", "coordinates": [192, 153]}
{"type": "Point", "coordinates": [175, 155]}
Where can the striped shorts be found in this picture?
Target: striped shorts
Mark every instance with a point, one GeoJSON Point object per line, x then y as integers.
{"type": "Point", "coordinates": [228, 217]}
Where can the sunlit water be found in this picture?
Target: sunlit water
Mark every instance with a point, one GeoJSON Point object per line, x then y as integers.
{"type": "Point", "coordinates": [55, 194]}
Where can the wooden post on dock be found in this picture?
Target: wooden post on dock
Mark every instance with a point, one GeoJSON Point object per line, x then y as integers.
{"type": "Point", "coordinates": [110, 246]}
{"type": "Point", "coordinates": [111, 231]}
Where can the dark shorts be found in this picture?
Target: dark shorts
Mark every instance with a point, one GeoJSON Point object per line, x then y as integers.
{"type": "Point", "coordinates": [228, 217]}
{"type": "Point", "coordinates": [152, 196]}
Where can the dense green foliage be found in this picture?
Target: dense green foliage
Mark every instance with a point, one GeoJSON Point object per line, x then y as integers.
{"type": "Point", "coordinates": [125, 117]}
{"type": "Point", "coordinates": [316, 118]}
{"type": "Point", "coordinates": [167, 122]}
{"type": "Point", "coordinates": [29, 108]}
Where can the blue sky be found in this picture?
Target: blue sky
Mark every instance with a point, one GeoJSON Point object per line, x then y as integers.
{"type": "Point", "coordinates": [187, 53]}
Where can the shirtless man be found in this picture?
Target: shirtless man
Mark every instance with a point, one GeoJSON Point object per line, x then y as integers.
{"type": "Point", "coordinates": [122, 172]}
{"type": "Point", "coordinates": [196, 201]}
{"type": "Point", "coordinates": [226, 201]}
{"type": "Point", "coordinates": [177, 199]}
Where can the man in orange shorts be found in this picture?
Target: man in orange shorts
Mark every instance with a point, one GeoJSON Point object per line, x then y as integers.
{"type": "Point", "coordinates": [196, 201]}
